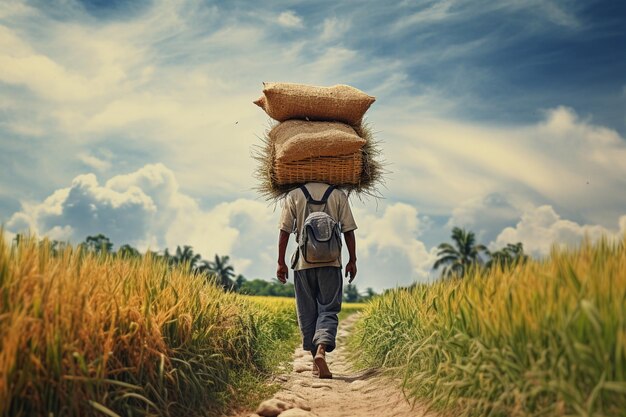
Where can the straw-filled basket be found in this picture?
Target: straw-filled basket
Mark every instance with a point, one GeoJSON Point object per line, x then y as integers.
{"type": "Point", "coordinates": [361, 172]}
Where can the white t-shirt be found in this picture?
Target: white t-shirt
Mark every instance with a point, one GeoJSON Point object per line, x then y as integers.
{"type": "Point", "coordinates": [293, 213]}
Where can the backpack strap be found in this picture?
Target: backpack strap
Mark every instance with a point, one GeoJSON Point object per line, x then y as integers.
{"type": "Point", "coordinates": [329, 190]}
{"type": "Point", "coordinates": [310, 199]}
{"type": "Point", "coordinates": [306, 192]}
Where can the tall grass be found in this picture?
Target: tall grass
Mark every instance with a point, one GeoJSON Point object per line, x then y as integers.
{"type": "Point", "coordinates": [85, 335]}
{"type": "Point", "coordinates": [544, 338]}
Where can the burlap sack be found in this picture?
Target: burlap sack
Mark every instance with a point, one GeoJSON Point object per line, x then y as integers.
{"type": "Point", "coordinates": [283, 101]}
{"type": "Point", "coordinates": [298, 139]}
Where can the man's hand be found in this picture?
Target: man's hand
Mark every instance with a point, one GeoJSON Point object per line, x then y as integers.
{"type": "Point", "coordinates": [351, 245]}
{"type": "Point", "coordinates": [351, 269]}
{"type": "Point", "coordinates": [282, 272]}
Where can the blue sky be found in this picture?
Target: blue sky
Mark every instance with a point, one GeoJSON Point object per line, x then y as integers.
{"type": "Point", "coordinates": [134, 118]}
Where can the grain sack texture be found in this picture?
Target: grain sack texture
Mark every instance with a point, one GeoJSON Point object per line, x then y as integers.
{"type": "Point", "coordinates": [284, 101]}
{"type": "Point", "coordinates": [297, 140]}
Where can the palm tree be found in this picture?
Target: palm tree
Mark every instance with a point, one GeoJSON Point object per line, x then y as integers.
{"type": "Point", "coordinates": [127, 251]}
{"type": "Point", "coordinates": [167, 257]}
{"type": "Point", "coordinates": [206, 268]}
{"type": "Point", "coordinates": [500, 257]}
{"type": "Point", "coordinates": [99, 244]}
{"type": "Point", "coordinates": [186, 255]}
{"type": "Point", "coordinates": [19, 238]}
{"type": "Point", "coordinates": [511, 254]}
{"type": "Point", "coordinates": [55, 246]}
{"type": "Point", "coordinates": [239, 282]}
{"type": "Point", "coordinates": [369, 294]}
{"type": "Point", "coordinates": [351, 293]}
{"type": "Point", "coordinates": [222, 270]}
{"type": "Point", "coordinates": [457, 260]}
{"type": "Point", "coordinates": [517, 252]}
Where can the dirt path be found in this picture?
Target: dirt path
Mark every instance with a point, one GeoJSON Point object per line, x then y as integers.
{"type": "Point", "coordinates": [349, 393]}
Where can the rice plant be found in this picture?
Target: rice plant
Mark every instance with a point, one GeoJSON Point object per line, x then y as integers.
{"type": "Point", "coordinates": [541, 338]}
{"type": "Point", "coordinates": [84, 334]}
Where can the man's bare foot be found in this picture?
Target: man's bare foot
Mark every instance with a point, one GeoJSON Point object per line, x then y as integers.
{"type": "Point", "coordinates": [320, 361]}
{"type": "Point", "coordinates": [315, 370]}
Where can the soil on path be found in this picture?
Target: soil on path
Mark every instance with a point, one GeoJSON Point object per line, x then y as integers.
{"type": "Point", "coordinates": [349, 393]}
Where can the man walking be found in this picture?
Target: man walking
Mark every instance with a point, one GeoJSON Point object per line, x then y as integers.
{"type": "Point", "coordinates": [318, 285]}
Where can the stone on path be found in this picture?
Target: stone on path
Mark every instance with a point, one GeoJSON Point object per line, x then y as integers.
{"type": "Point", "coordinates": [301, 367]}
{"type": "Point", "coordinates": [357, 385]}
{"type": "Point", "coordinates": [301, 353]}
{"type": "Point", "coordinates": [272, 407]}
{"type": "Point", "coordinates": [294, 399]}
{"type": "Point", "coordinates": [297, 412]}
{"type": "Point", "coordinates": [299, 383]}
{"type": "Point", "coordinates": [320, 385]}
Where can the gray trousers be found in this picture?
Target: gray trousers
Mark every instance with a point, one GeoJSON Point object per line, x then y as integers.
{"type": "Point", "coordinates": [318, 301]}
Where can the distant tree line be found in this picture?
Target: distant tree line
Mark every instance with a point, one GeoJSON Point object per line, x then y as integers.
{"type": "Point", "coordinates": [464, 254]}
{"type": "Point", "coordinates": [218, 269]}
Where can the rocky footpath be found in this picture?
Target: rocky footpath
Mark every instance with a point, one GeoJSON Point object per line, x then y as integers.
{"type": "Point", "coordinates": [366, 393]}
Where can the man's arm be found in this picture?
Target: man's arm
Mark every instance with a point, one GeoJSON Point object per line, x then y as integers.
{"type": "Point", "coordinates": [351, 245]}
{"type": "Point", "coordinates": [282, 272]}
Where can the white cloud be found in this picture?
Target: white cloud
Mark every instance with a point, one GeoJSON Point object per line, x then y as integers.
{"type": "Point", "coordinates": [94, 162]}
{"type": "Point", "coordinates": [24, 128]}
{"type": "Point", "coordinates": [289, 19]}
{"type": "Point", "coordinates": [334, 28]}
{"type": "Point", "coordinates": [558, 15]}
{"type": "Point", "coordinates": [563, 161]}
{"type": "Point", "coordinates": [146, 208]}
{"type": "Point", "coordinates": [486, 216]}
{"type": "Point", "coordinates": [436, 12]}
{"type": "Point", "coordinates": [544, 14]}
{"type": "Point", "coordinates": [244, 229]}
{"type": "Point", "coordinates": [22, 64]}
{"type": "Point", "coordinates": [61, 233]}
{"type": "Point", "coordinates": [10, 8]}
{"type": "Point", "coordinates": [89, 208]}
{"type": "Point", "coordinates": [541, 227]}
{"type": "Point", "coordinates": [389, 246]}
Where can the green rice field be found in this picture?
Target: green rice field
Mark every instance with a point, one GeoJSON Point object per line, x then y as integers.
{"type": "Point", "coordinates": [544, 338]}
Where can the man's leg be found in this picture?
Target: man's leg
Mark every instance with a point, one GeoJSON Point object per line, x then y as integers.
{"type": "Point", "coordinates": [328, 300]}
{"type": "Point", "coordinates": [306, 306]}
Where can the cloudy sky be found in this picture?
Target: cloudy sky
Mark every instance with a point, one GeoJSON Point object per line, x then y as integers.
{"type": "Point", "coordinates": [135, 119]}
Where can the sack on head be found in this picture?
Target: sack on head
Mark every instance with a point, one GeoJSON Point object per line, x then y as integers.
{"type": "Point", "coordinates": [297, 140]}
{"type": "Point", "coordinates": [283, 101]}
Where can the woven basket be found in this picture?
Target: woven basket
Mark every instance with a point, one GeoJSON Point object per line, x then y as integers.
{"type": "Point", "coordinates": [360, 173]}
{"type": "Point", "coordinates": [337, 170]}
